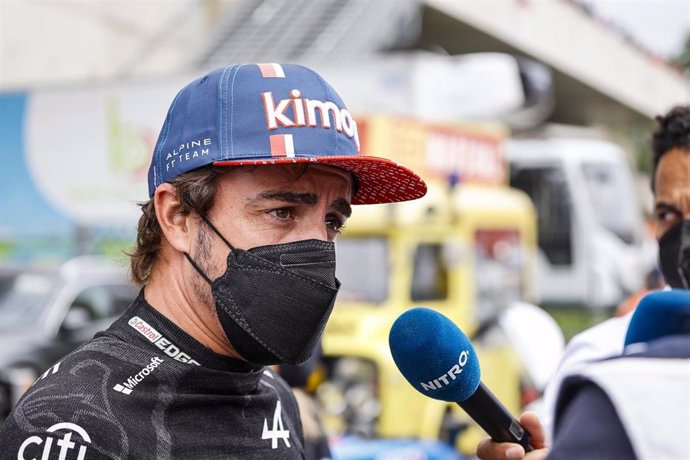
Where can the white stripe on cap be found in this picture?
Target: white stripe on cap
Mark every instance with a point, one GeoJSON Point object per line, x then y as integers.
{"type": "Point", "coordinates": [289, 146]}
{"type": "Point", "coordinates": [282, 145]}
{"type": "Point", "coordinates": [271, 70]}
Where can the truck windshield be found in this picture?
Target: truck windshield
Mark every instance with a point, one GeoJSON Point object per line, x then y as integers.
{"type": "Point", "coordinates": [362, 268]}
{"type": "Point", "coordinates": [23, 297]}
{"type": "Point", "coordinates": [548, 189]}
{"type": "Point", "coordinates": [611, 194]}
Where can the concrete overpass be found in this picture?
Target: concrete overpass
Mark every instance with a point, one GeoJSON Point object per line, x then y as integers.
{"type": "Point", "coordinates": [599, 77]}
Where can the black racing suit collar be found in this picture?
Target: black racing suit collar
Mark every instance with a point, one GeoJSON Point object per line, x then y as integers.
{"type": "Point", "coordinates": [153, 319]}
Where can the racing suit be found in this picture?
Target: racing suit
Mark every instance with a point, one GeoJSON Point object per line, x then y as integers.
{"type": "Point", "coordinates": [146, 389]}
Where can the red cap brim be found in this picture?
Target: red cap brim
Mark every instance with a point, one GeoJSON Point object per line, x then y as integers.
{"type": "Point", "coordinates": [379, 180]}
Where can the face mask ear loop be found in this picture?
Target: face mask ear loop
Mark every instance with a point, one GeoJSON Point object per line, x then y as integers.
{"type": "Point", "coordinates": [683, 277]}
{"type": "Point", "coordinates": [682, 263]}
{"type": "Point", "coordinates": [215, 230]}
{"type": "Point", "coordinates": [198, 270]}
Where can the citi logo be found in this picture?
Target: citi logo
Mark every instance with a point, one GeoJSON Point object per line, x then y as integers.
{"type": "Point", "coordinates": [451, 374]}
{"type": "Point", "coordinates": [32, 445]}
{"type": "Point", "coordinates": [304, 112]}
{"type": "Point", "coordinates": [128, 386]}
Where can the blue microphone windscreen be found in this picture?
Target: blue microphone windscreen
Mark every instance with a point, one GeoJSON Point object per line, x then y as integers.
{"type": "Point", "coordinates": [434, 355]}
{"type": "Point", "coordinates": [660, 314]}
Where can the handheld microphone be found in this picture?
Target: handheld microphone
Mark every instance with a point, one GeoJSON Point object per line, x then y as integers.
{"type": "Point", "coordinates": [660, 314]}
{"type": "Point", "coordinates": [438, 360]}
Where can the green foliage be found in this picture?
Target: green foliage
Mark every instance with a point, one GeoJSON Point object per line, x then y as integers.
{"type": "Point", "coordinates": [683, 59]}
{"type": "Point", "coordinates": [573, 320]}
{"type": "Point", "coordinates": [5, 249]}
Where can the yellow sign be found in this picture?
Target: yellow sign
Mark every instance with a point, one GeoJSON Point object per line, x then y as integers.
{"type": "Point", "coordinates": [468, 154]}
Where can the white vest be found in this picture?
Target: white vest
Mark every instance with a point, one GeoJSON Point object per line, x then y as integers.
{"type": "Point", "coordinates": [652, 399]}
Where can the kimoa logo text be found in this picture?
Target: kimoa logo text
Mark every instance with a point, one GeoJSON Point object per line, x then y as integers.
{"type": "Point", "coordinates": [450, 375]}
{"type": "Point", "coordinates": [305, 114]}
{"type": "Point", "coordinates": [132, 381]}
{"type": "Point", "coordinates": [31, 447]}
{"type": "Point", "coordinates": [161, 342]}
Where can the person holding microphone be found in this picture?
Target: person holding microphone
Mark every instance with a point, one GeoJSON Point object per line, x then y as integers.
{"type": "Point", "coordinates": [671, 188]}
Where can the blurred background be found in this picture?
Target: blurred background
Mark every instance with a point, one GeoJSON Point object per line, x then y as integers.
{"type": "Point", "coordinates": [530, 120]}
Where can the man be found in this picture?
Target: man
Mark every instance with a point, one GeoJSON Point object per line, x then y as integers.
{"type": "Point", "coordinates": [671, 187]}
{"type": "Point", "coordinates": [250, 182]}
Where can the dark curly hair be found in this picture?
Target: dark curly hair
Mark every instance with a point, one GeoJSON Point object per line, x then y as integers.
{"type": "Point", "coordinates": [197, 190]}
{"type": "Point", "coordinates": [673, 132]}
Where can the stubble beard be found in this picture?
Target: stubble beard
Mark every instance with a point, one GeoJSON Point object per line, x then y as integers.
{"type": "Point", "coordinates": [202, 257]}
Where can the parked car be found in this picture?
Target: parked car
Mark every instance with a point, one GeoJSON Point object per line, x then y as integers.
{"type": "Point", "coordinates": [45, 313]}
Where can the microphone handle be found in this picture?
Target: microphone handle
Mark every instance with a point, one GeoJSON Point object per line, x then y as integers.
{"type": "Point", "coordinates": [494, 418]}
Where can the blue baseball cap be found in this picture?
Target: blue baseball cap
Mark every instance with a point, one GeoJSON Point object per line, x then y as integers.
{"type": "Point", "coordinates": [267, 114]}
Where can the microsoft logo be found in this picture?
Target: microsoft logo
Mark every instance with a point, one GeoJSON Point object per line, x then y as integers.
{"type": "Point", "coordinates": [132, 381]}
{"type": "Point", "coordinates": [122, 389]}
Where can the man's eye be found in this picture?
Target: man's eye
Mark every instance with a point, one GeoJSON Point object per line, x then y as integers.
{"type": "Point", "coordinates": [335, 225]}
{"type": "Point", "coordinates": [666, 215]}
{"type": "Point", "coordinates": [282, 213]}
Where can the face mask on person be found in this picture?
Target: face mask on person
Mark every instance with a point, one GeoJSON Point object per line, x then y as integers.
{"type": "Point", "coordinates": [674, 255]}
{"type": "Point", "coordinates": [273, 301]}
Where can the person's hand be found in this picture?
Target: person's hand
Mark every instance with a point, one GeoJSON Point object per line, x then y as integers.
{"type": "Point", "coordinates": [490, 450]}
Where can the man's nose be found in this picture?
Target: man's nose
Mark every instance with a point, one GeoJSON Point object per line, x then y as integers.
{"type": "Point", "coordinates": [313, 229]}
{"type": "Point", "coordinates": [682, 201]}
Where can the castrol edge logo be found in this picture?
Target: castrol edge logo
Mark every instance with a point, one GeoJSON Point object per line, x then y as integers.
{"type": "Point", "coordinates": [161, 342]}
{"type": "Point", "coordinates": [449, 376]}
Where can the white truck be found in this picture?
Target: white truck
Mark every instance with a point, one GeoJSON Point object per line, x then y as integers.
{"type": "Point", "coordinates": [593, 248]}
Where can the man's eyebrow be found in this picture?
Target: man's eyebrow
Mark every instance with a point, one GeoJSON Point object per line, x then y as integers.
{"type": "Point", "coordinates": [663, 206]}
{"type": "Point", "coordinates": [342, 206]}
{"type": "Point", "coordinates": [287, 197]}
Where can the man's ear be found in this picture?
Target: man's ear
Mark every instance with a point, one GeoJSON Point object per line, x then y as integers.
{"type": "Point", "coordinates": [176, 226]}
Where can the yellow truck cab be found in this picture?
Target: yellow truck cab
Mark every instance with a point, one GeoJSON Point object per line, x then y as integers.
{"type": "Point", "coordinates": [466, 250]}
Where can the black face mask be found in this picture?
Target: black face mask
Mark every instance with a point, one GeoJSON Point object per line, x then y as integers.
{"type": "Point", "coordinates": [273, 301]}
{"type": "Point", "coordinates": [674, 255]}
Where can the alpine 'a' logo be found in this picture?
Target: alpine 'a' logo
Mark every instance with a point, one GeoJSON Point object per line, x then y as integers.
{"type": "Point", "coordinates": [278, 431]}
